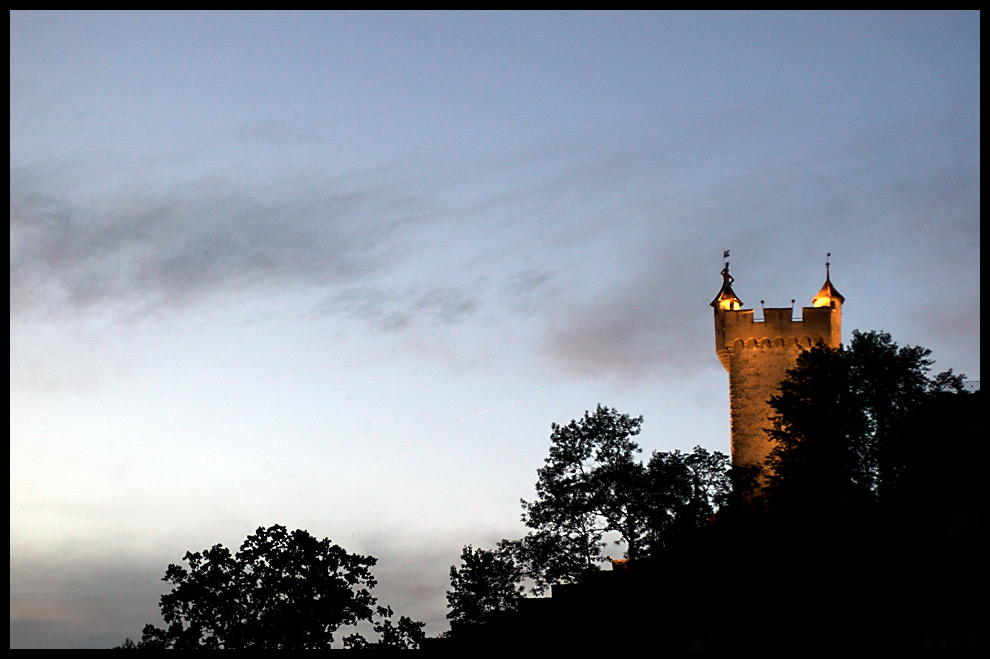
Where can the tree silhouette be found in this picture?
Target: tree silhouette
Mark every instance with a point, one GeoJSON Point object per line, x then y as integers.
{"type": "Point", "coordinates": [592, 484]}
{"type": "Point", "coordinates": [547, 557]}
{"type": "Point", "coordinates": [406, 635]}
{"type": "Point", "coordinates": [680, 493]}
{"type": "Point", "coordinates": [862, 532]}
{"type": "Point", "coordinates": [583, 490]}
{"type": "Point", "coordinates": [838, 422]}
{"type": "Point", "coordinates": [281, 590]}
{"type": "Point", "coordinates": [487, 582]}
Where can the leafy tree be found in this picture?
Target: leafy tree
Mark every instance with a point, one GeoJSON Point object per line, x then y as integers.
{"type": "Point", "coordinates": [487, 582]}
{"type": "Point", "coordinates": [547, 557]}
{"type": "Point", "coordinates": [839, 422]}
{"type": "Point", "coordinates": [406, 635]}
{"type": "Point", "coordinates": [583, 490]}
{"type": "Point", "coordinates": [681, 492]}
{"type": "Point", "coordinates": [280, 590]}
{"type": "Point", "coordinates": [592, 484]}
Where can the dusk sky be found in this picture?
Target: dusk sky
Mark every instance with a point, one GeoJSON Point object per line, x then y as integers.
{"type": "Point", "coordinates": [341, 271]}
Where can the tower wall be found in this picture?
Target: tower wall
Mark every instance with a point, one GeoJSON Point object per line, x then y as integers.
{"type": "Point", "coordinates": [757, 356]}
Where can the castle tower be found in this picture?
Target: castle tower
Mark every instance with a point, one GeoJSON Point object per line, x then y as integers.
{"type": "Point", "coordinates": [757, 354]}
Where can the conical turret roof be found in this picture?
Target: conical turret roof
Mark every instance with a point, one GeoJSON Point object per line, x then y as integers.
{"type": "Point", "coordinates": [828, 292]}
{"type": "Point", "coordinates": [726, 298]}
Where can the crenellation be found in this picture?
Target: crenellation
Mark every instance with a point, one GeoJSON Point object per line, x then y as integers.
{"type": "Point", "coordinates": [757, 353]}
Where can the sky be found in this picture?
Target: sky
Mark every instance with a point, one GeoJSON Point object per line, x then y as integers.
{"type": "Point", "coordinates": [342, 271]}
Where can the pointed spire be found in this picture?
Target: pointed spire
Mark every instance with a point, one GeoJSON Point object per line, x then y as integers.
{"type": "Point", "coordinates": [828, 293]}
{"type": "Point", "coordinates": [726, 299]}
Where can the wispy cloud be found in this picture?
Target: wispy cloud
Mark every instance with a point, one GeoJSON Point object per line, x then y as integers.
{"type": "Point", "coordinates": [606, 243]}
{"type": "Point", "coordinates": [134, 251]}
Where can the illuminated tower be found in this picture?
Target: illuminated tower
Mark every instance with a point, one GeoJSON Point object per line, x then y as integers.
{"type": "Point", "coordinates": [758, 353]}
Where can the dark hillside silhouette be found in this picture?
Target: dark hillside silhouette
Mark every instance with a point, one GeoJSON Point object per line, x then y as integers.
{"type": "Point", "coordinates": [864, 533]}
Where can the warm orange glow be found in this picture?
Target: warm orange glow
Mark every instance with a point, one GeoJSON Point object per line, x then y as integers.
{"type": "Point", "coordinates": [822, 301]}
{"type": "Point", "coordinates": [618, 563]}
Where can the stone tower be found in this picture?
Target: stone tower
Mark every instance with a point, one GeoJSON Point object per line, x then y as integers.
{"type": "Point", "coordinates": [757, 354]}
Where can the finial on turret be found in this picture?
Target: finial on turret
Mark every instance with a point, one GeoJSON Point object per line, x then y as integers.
{"type": "Point", "coordinates": [726, 299]}
{"type": "Point", "coordinates": [828, 293]}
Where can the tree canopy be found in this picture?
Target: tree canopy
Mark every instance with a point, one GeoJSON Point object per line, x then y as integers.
{"type": "Point", "coordinates": [593, 484]}
{"type": "Point", "coordinates": [681, 492]}
{"type": "Point", "coordinates": [407, 634]}
{"type": "Point", "coordinates": [487, 582]}
{"type": "Point", "coordinates": [281, 590]}
{"type": "Point", "coordinates": [839, 422]}
{"type": "Point", "coordinates": [583, 489]}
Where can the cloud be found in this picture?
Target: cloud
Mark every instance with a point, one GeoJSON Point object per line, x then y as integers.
{"type": "Point", "coordinates": [608, 243]}
{"type": "Point", "coordinates": [397, 308]}
{"type": "Point", "coordinates": [135, 251]}
{"type": "Point", "coordinates": [81, 602]}
{"type": "Point", "coordinates": [896, 204]}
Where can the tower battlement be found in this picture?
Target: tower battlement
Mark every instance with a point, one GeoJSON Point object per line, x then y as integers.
{"type": "Point", "coordinates": [740, 330]}
{"type": "Point", "coordinates": [758, 353]}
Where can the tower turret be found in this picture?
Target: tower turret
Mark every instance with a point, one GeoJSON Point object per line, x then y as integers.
{"type": "Point", "coordinates": [758, 353]}
{"type": "Point", "coordinates": [830, 297]}
{"type": "Point", "coordinates": [726, 299]}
